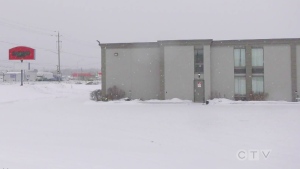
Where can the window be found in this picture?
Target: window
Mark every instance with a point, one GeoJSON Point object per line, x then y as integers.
{"type": "Point", "coordinates": [258, 84]}
{"type": "Point", "coordinates": [240, 85]}
{"type": "Point", "coordinates": [257, 57]}
{"type": "Point", "coordinates": [199, 69]}
{"type": "Point", "coordinates": [239, 57]}
{"type": "Point", "coordinates": [199, 66]}
{"type": "Point", "coordinates": [257, 64]}
{"type": "Point", "coordinates": [199, 56]}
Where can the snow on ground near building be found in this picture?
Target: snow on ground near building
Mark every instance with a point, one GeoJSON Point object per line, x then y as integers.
{"type": "Point", "coordinates": [51, 125]}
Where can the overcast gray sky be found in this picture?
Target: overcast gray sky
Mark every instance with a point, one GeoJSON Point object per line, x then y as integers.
{"type": "Point", "coordinates": [82, 22]}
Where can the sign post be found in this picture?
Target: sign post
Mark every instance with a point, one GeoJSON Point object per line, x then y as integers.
{"type": "Point", "coordinates": [21, 53]}
{"type": "Point", "coordinates": [21, 72]}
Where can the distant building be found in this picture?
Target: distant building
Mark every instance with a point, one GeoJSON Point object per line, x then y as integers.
{"type": "Point", "coordinates": [99, 75]}
{"type": "Point", "coordinates": [1, 76]}
{"type": "Point", "coordinates": [12, 77]}
{"type": "Point", "coordinates": [199, 70]}
{"type": "Point", "coordinates": [29, 75]}
{"type": "Point", "coordinates": [82, 76]}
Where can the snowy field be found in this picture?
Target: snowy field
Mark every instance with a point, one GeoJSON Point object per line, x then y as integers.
{"type": "Point", "coordinates": [56, 126]}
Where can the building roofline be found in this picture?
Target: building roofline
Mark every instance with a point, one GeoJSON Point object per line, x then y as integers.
{"type": "Point", "coordinates": [186, 42]}
{"type": "Point", "coordinates": [256, 41]}
{"type": "Point", "coordinates": [195, 42]}
{"type": "Point", "coordinates": [130, 45]}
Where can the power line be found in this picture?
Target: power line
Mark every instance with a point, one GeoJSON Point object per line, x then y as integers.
{"type": "Point", "coordinates": [48, 50]}
{"type": "Point", "coordinates": [20, 26]}
{"type": "Point", "coordinates": [26, 26]}
{"type": "Point", "coordinates": [24, 29]}
{"type": "Point", "coordinates": [74, 40]}
{"type": "Point", "coordinates": [32, 29]}
{"type": "Point", "coordinates": [79, 55]}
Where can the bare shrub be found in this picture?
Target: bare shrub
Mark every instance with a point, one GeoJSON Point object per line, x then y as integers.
{"type": "Point", "coordinates": [96, 95]}
{"type": "Point", "coordinates": [258, 96]}
{"type": "Point", "coordinates": [240, 97]}
{"type": "Point", "coordinates": [114, 93]}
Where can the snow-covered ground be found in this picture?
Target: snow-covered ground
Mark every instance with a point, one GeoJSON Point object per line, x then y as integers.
{"type": "Point", "coordinates": [56, 126]}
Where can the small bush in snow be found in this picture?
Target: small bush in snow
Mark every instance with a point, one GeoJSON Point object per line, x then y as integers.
{"type": "Point", "coordinates": [258, 96]}
{"type": "Point", "coordinates": [114, 93]}
{"type": "Point", "coordinates": [96, 95]}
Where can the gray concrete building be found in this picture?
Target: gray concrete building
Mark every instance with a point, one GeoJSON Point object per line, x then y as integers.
{"type": "Point", "coordinates": [199, 70]}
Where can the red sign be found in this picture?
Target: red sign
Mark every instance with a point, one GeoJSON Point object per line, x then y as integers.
{"type": "Point", "coordinates": [81, 75]}
{"type": "Point", "coordinates": [21, 53]}
{"type": "Point", "coordinates": [199, 84]}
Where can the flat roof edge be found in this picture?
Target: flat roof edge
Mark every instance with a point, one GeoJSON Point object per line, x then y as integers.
{"type": "Point", "coordinates": [199, 42]}
{"type": "Point", "coordinates": [256, 41]}
{"type": "Point", "coordinates": [186, 42]}
{"type": "Point", "coordinates": [129, 45]}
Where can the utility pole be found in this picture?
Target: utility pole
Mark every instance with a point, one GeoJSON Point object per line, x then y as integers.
{"type": "Point", "coordinates": [58, 52]}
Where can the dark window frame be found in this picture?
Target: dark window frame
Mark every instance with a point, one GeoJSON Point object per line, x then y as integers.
{"type": "Point", "coordinates": [240, 70]}
{"type": "Point", "coordinates": [258, 70]}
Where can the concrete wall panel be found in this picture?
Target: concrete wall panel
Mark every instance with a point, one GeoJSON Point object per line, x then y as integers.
{"type": "Point", "coordinates": [179, 72]}
{"type": "Point", "coordinates": [277, 72]}
{"type": "Point", "coordinates": [207, 71]}
{"type": "Point", "coordinates": [134, 70]}
{"type": "Point", "coordinates": [145, 73]}
{"type": "Point", "coordinates": [222, 72]}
